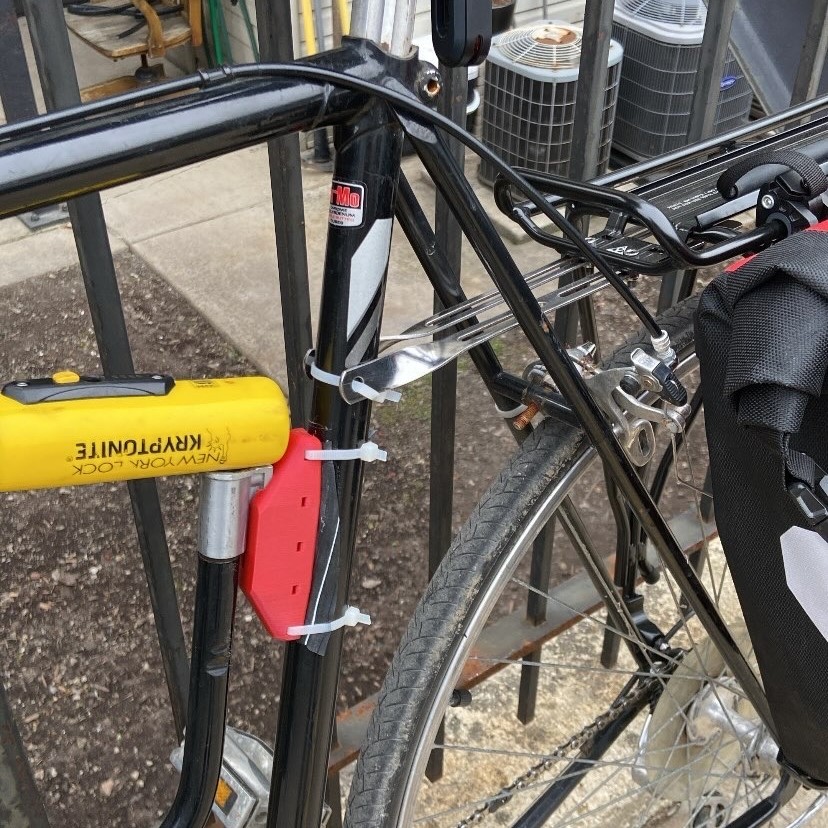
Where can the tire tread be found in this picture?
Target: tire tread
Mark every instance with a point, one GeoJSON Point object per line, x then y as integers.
{"type": "Point", "coordinates": [439, 616]}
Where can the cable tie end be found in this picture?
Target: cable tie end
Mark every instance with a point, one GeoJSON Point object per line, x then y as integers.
{"type": "Point", "coordinates": [350, 618]}
{"type": "Point", "coordinates": [368, 452]}
{"type": "Point", "coordinates": [365, 390]}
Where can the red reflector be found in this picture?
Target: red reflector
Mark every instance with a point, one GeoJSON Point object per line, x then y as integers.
{"type": "Point", "coordinates": [277, 566]}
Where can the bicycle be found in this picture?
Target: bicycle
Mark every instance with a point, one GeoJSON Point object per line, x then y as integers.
{"type": "Point", "coordinates": [355, 89]}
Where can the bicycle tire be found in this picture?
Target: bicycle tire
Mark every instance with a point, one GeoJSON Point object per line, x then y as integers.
{"type": "Point", "coordinates": [422, 677]}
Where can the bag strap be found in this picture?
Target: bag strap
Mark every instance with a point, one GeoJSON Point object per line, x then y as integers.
{"type": "Point", "coordinates": [814, 181]}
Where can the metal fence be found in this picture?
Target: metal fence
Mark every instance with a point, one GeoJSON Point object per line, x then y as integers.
{"type": "Point", "coordinates": [60, 89]}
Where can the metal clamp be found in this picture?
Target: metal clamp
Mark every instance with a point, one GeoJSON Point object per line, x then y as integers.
{"type": "Point", "coordinates": [359, 388]}
{"type": "Point", "coordinates": [225, 502]}
{"type": "Point", "coordinates": [583, 356]}
{"type": "Point", "coordinates": [634, 432]}
{"type": "Point", "coordinates": [655, 373]}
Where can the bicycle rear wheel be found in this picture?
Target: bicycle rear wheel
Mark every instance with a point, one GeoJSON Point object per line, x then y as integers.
{"type": "Point", "coordinates": [677, 744]}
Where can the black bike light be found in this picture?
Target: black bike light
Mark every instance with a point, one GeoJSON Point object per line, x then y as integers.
{"type": "Point", "coordinates": [461, 31]}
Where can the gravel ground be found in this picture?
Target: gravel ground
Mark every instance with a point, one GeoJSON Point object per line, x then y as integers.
{"type": "Point", "coordinates": [80, 658]}
{"type": "Point", "coordinates": [81, 664]}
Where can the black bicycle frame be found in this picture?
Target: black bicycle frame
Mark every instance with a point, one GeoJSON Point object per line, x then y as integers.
{"type": "Point", "coordinates": [367, 164]}
{"type": "Point", "coordinates": [91, 148]}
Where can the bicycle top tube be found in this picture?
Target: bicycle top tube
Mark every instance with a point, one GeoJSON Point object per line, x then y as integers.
{"type": "Point", "coordinates": [222, 116]}
{"type": "Point", "coordinates": [239, 106]}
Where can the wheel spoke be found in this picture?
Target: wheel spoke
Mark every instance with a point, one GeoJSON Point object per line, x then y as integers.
{"type": "Point", "coordinates": [682, 739]}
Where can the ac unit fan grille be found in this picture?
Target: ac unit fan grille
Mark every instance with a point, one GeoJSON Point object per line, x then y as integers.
{"type": "Point", "coordinates": [528, 122]}
{"type": "Point", "coordinates": [548, 46]}
{"type": "Point", "coordinates": [669, 12]}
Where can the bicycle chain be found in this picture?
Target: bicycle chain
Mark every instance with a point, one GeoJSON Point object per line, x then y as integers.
{"type": "Point", "coordinates": [576, 742]}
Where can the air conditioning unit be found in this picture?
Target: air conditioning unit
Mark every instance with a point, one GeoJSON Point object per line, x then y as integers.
{"type": "Point", "coordinates": [662, 49]}
{"type": "Point", "coordinates": [530, 81]}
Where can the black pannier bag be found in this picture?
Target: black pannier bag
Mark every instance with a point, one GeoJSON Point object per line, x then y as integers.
{"type": "Point", "coordinates": [762, 343]}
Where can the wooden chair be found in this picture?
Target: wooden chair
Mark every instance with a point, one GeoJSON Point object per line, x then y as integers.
{"type": "Point", "coordinates": [111, 36]}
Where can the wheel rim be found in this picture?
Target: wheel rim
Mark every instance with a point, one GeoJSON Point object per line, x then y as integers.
{"type": "Point", "coordinates": [707, 801]}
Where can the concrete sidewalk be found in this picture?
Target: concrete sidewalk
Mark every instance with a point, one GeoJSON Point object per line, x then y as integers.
{"type": "Point", "coordinates": [208, 230]}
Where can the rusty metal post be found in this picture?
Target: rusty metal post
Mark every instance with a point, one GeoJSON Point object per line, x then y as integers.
{"type": "Point", "coordinates": [586, 140]}
{"type": "Point", "coordinates": [56, 68]}
{"type": "Point", "coordinates": [276, 45]}
{"type": "Point", "coordinates": [20, 803]}
{"type": "Point", "coordinates": [711, 68]}
{"type": "Point", "coordinates": [586, 136]}
{"type": "Point", "coordinates": [444, 382]}
{"type": "Point", "coordinates": [16, 93]}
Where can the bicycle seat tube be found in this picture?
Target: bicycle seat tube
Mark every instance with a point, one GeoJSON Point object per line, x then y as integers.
{"type": "Point", "coordinates": [366, 168]}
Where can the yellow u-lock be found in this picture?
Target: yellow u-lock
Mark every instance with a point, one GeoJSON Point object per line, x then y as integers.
{"type": "Point", "coordinates": [70, 430]}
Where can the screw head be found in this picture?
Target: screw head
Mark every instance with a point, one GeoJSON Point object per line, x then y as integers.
{"type": "Point", "coordinates": [768, 201]}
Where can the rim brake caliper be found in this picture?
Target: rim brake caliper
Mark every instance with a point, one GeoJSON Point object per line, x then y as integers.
{"type": "Point", "coordinates": [617, 390]}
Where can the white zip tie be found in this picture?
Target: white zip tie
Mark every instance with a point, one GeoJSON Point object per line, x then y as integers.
{"type": "Point", "coordinates": [389, 395]}
{"type": "Point", "coordinates": [350, 618]}
{"type": "Point", "coordinates": [359, 387]}
{"type": "Point", "coordinates": [507, 415]}
{"type": "Point", "coordinates": [317, 373]}
{"type": "Point", "coordinates": [368, 452]}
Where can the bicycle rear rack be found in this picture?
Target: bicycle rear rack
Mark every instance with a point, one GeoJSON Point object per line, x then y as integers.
{"type": "Point", "coordinates": [688, 197]}
{"type": "Point", "coordinates": [411, 362]}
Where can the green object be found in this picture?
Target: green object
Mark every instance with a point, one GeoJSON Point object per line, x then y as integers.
{"type": "Point", "coordinates": [254, 46]}
{"type": "Point", "coordinates": [221, 52]}
{"type": "Point", "coordinates": [225, 38]}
